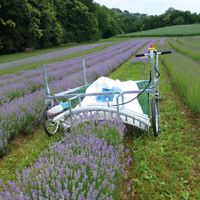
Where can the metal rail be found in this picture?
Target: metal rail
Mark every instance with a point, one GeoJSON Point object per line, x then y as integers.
{"type": "Point", "coordinates": [82, 114]}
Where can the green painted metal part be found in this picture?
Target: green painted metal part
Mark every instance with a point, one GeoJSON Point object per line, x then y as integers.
{"type": "Point", "coordinates": [82, 90]}
{"type": "Point", "coordinates": [144, 98]}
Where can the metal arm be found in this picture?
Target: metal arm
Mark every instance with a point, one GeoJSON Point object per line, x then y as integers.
{"type": "Point", "coordinates": [84, 72]}
{"type": "Point", "coordinates": [46, 80]}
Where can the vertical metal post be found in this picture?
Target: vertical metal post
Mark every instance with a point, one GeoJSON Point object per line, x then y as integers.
{"type": "Point", "coordinates": [84, 72]}
{"type": "Point", "coordinates": [46, 80]}
{"type": "Point", "coordinates": [123, 100]}
{"type": "Point", "coordinates": [79, 101]}
{"type": "Point", "coordinates": [157, 61]}
{"type": "Point", "coordinates": [152, 68]}
{"type": "Point", "coordinates": [117, 106]}
{"type": "Point", "coordinates": [70, 111]}
{"type": "Point", "coordinates": [157, 66]}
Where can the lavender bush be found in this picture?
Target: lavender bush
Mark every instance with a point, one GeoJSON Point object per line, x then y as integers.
{"type": "Point", "coordinates": [162, 42]}
{"type": "Point", "coordinates": [3, 141]}
{"type": "Point", "coordinates": [82, 167]}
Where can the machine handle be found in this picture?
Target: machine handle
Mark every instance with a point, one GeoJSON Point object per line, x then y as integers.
{"type": "Point", "coordinates": [140, 55]}
{"type": "Point", "coordinates": [161, 52]}
{"type": "Point", "coordinates": [166, 52]}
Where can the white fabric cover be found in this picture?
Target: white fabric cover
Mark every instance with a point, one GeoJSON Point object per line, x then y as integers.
{"type": "Point", "coordinates": [104, 82]}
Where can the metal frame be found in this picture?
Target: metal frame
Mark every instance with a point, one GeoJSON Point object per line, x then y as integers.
{"type": "Point", "coordinates": [66, 118]}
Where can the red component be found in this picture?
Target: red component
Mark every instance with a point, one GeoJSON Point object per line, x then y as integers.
{"type": "Point", "coordinates": [152, 45]}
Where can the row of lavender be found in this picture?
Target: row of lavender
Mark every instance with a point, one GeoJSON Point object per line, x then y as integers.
{"type": "Point", "coordinates": [85, 165]}
{"type": "Point", "coordinates": [58, 53]}
{"type": "Point", "coordinates": [26, 82]}
{"type": "Point", "coordinates": [24, 113]}
{"type": "Point", "coordinates": [29, 74]}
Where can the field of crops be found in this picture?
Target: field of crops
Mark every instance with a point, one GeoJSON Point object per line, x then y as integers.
{"type": "Point", "coordinates": [91, 162]}
{"type": "Point", "coordinates": [178, 30]}
{"type": "Point", "coordinates": [184, 68]}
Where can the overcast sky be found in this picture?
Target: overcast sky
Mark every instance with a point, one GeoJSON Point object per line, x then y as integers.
{"type": "Point", "coordinates": [152, 6]}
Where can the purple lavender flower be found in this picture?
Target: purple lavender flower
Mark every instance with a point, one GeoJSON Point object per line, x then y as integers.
{"type": "Point", "coordinates": [162, 41]}
{"type": "Point", "coordinates": [58, 175]}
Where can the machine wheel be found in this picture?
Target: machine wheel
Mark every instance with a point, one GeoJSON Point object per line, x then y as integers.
{"type": "Point", "coordinates": [50, 127]}
{"type": "Point", "coordinates": [155, 116]}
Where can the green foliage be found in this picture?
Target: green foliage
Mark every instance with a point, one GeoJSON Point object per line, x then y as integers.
{"type": "Point", "coordinates": [178, 20]}
{"type": "Point", "coordinates": [169, 18]}
{"type": "Point", "coordinates": [109, 22]}
{"type": "Point", "coordinates": [30, 24]}
{"type": "Point", "coordinates": [52, 31]}
{"type": "Point", "coordinates": [13, 34]}
{"type": "Point", "coordinates": [81, 23]}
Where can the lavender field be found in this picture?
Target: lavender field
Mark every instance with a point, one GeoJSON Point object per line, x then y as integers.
{"type": "Point", "coordinates": [91, 161]}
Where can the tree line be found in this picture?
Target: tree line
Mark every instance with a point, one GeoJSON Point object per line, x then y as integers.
{"type": "Point", "coordinates": [26, 24]}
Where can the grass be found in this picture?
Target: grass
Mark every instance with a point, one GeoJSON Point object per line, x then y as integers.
{"type": "Point", "coordinates": [178, 30]}
{"type": "Point", "coordinates": [23, 151]}
{"type": "Point", "coordinates": [34, 65]}
{"type": "Point", "coordinates": [123, 73]}
{"type": "Point", "coordinates": [166, 167]}
{"type": "Point", "coordinates": [186, 49]}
